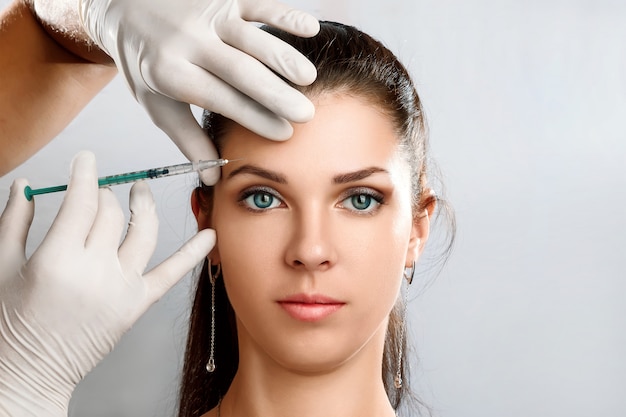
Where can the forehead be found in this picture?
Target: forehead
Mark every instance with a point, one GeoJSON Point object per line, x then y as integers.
{"type": "Point", "coordinates": [346, 133]}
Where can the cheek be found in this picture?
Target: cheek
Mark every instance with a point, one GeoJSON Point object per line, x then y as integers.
{"type": "Point", "coordinates": [387, 258]}
{"type": "Point", "coordinates": [373, 255]}
{"type": "Point", "coordinates": [248, 249]}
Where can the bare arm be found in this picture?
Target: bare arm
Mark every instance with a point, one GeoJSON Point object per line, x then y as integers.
{"type": "Point", "coordinates": [44, 85]}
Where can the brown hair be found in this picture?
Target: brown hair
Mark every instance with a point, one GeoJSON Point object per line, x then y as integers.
{"type": "Point", "coordinates": [351, 62]}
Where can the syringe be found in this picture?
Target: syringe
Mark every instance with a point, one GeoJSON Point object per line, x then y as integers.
{"type": "Point", "coordinates": [136, 176]}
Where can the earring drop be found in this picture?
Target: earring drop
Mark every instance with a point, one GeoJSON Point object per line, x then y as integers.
{"type": "Point", "coordinates": [409, 274]}
{"type": "Point", "coordinates": [210, 366]}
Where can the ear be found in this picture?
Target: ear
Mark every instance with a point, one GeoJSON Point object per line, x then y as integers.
{"type": "Point", "coordinates": [195, 204]}
{"type": "Point", "coordinates": [197, 209]}
{"type": "Point", "coordinates": [201, 206]}
{"type": "Point", "coordinates": [421, 227]}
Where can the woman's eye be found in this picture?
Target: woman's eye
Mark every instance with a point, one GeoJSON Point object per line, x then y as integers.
{"type": "Point", "coordinates": [261, 200]}
{"type": "Point", "coordinates": [362, 202]}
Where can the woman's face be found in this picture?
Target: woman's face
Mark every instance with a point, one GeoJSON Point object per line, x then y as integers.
{"type": "Point", "coordinates": [313, 235]}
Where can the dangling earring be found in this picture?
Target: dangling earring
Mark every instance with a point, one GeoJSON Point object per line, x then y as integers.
{"type": "Point", "coordinates": [210, 366]}
{"type": "Point", "coordinates": [409, 274]}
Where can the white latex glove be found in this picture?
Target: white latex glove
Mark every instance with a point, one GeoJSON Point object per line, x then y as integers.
{"type": "Point", "coordinates": [207, 53]}
{"type": "Point", "coordinates": [64, 309]}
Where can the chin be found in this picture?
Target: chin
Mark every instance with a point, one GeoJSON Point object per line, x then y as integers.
{"type": "Point", "coordinates": [315, 360]}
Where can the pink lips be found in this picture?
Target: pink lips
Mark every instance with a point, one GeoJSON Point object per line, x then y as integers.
{"type": "Point", "coordinates": [310, 308]}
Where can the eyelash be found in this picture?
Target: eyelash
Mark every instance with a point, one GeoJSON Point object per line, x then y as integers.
{"type": "Point", "coordinates": [249, 192]}
{"type": "Point", "coordinates": [376, 196]}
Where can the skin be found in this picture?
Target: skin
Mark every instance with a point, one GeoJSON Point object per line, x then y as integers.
{"type": "Point", "coordinates": [313, 240]}
{"type": "Point", "coordinates": [49, 84]}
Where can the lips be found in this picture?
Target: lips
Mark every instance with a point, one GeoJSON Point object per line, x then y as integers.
{"type": "Point", "coordinates": [310, 308]}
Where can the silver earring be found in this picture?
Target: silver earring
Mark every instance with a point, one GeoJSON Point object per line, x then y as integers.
{"type": "Point", "coordinates": [409, 274]}
{"type": "Point", "coordinates": [210, 366]}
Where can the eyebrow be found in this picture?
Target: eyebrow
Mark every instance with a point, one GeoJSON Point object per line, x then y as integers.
{"type": "Point", "coordinates": [280, 179]}
{"type": "Point", "coordinates": [357, 175]}
{"type": "Point", "coordinates": [260, 172]}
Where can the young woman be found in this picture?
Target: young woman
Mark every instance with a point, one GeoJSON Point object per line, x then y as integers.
{"type": "Point", "coordinates": [298, 310]}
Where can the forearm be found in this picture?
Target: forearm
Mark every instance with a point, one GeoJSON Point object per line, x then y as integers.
{"type": "Point", "coordinates": [44, 84]}
{"type": "Point", "coordinates": [60, 19]}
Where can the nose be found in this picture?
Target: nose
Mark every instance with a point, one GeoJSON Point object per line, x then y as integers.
{"type": "Point", "coordinates": [312, 245]}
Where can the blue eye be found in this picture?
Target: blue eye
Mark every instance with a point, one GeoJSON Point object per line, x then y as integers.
{"type": "Point", "coordinates": [260, 200]}
{"type": "Point", "coordinates": [363, 202]}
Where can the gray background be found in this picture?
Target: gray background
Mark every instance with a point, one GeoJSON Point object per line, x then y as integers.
{"type": "Point", "coordinates": [526, 103]}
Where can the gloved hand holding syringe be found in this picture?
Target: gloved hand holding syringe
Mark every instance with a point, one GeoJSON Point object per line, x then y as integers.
{"type": "Point", "coordinates": [151, 173]}
{"type": "Point", "coordinates": [63, 308]}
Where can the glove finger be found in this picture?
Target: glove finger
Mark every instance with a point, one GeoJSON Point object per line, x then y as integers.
{"type": "Point", "coordinates": [212, 84]}
{"type": "Point", "coordinates": [255, 80]}
{"type": "Point", "coordinates": [270, 50]}
{"type": "Point", "coordinates": [143, 229]}
{"type": "Point", "coordinates": [280, 16]}
{"type": "Point", "coordinates": [108, 225]}
{"type": "Point", "coordinates": [209, 92]}
{"type": "Point", "coordinates": [169, 272]}
{"type": "Point", "coordinates": [80, 205]}
{"type": "Point", "coordinates": [177, 121]}
{"type": "Point", "coordinates": [15, 222]}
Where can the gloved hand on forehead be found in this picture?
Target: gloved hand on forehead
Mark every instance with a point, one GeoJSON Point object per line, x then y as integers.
{"type": "Point", "coordinates": [207, 53]}
{"type": "Point", "coordinates": [63, 310]}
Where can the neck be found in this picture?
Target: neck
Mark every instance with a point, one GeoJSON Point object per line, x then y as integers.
{"type": "Point", "coordinates": [264, 388]}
